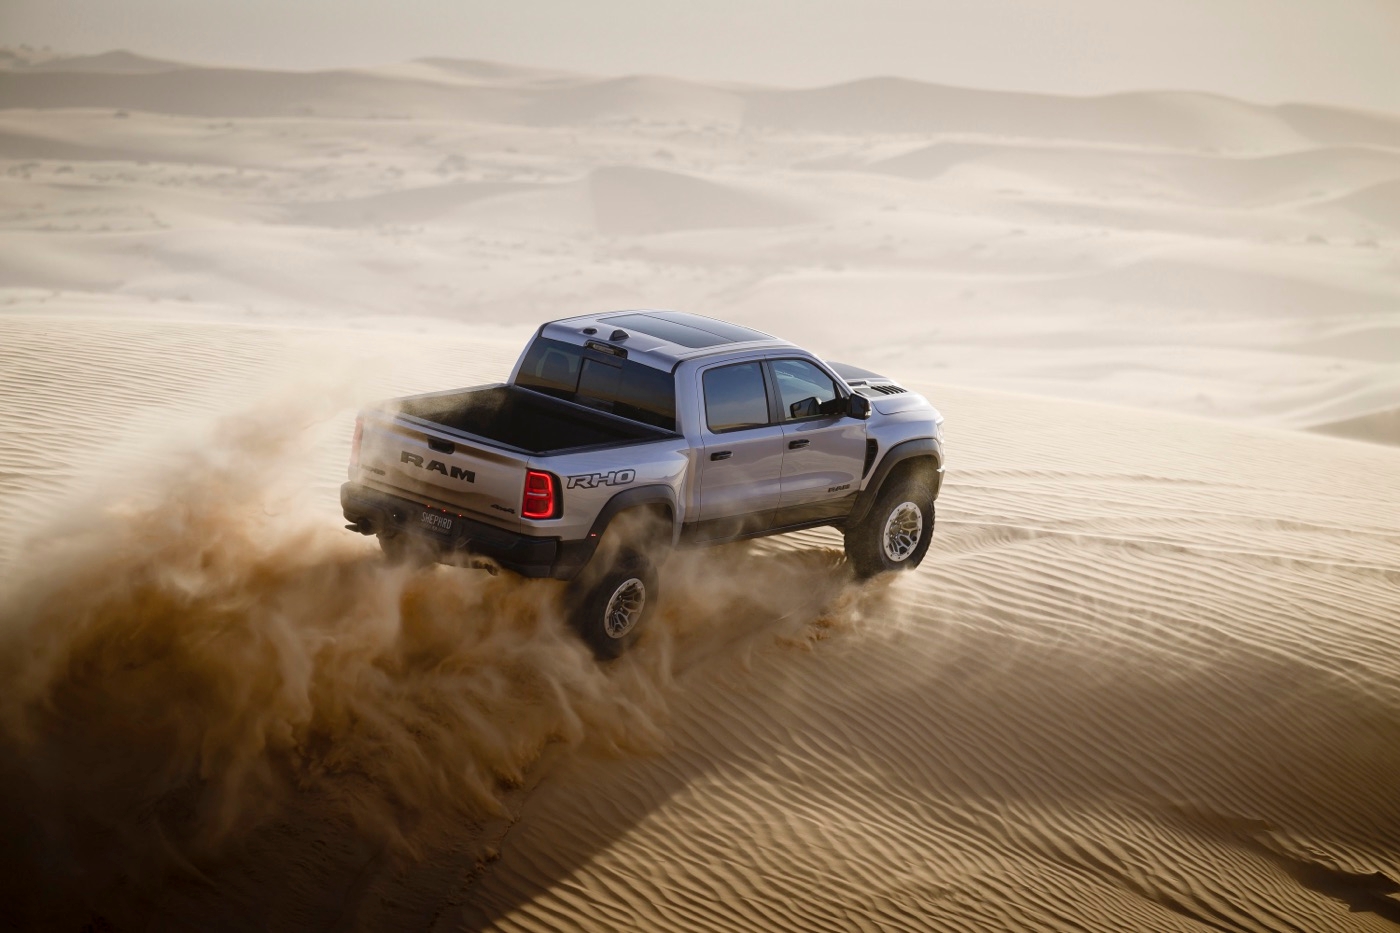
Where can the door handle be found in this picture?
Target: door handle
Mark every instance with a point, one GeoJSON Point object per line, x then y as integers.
{"type": "Point", "coordinates": [721, 455]}
{"type": "Point", "coordinates": [794, 445]}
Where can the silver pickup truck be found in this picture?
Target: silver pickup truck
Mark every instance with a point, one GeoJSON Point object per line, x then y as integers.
{"type": "Point", "coordinates": [622, 435]}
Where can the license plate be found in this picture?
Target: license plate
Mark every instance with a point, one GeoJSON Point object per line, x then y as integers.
{"type": "Point", "coordinates": [435, 522]}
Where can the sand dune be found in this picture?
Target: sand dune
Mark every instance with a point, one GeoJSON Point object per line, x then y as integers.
{"type": "Point", "coordinates": [1379, 204]}
{"type": "Point", "coordinates": [118, 61]}
{"type": "Point", "coordinates": [638, 99]}
{"type": "Point", "coordinates": [1134, 234]}
{"type": "Point", "coordinates": [1380, 426]}
{"type": "Point", "coordinates": [479, 70]}
{"type": "Point", "coordinates": [1177, 120]}
{"type": "Point", "coordinates": [1334, 125]}
{"type": "Point", "coordinates": [1303, 175]}
{"type": "Point", "coordinates": [31, 146]}
{"type": "Point", "coordinates": [623, 201]}
{"type": "Point", "coordinates": [1169, 119]}
{"type": "Point", "coordinates": [432, 203]}
{"type": "Point", "coordinates": [1380, 342]}
{"type": "Point", "coordinates": [222, 92]}
{"type": "Point", "coordinates": [1204, 290]}
{"type": "Point", "coordinates": [1147, 680]}
{"type": "Point", "coordinates": [630, 200]}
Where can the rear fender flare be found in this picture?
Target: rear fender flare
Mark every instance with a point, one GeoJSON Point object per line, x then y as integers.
{"type": "Point", "coordinates": [899, 453]}
{"type": "Point", "coordinates": [574, 556]}
{"type": "Point", "coordinates": [642, 496]}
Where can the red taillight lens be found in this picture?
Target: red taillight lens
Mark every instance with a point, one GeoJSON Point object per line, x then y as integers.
{"type": "Point", "coordinates": [355, 443]}
{"type": "Point", "coordinates": [539, 495]}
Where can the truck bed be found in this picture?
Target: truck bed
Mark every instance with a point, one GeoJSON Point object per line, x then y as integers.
{"type": "Point", "coordinates": [525, 420]}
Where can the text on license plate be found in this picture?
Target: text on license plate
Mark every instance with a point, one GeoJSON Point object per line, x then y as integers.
{"type": "Point", "coordinates": [436, 522]}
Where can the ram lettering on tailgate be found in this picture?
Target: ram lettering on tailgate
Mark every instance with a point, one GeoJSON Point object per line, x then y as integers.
{"type": "Point", "coordinates": [437, 466]}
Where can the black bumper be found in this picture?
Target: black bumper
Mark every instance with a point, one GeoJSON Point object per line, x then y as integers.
{"type": "Point", "coordinates": [379, 513]}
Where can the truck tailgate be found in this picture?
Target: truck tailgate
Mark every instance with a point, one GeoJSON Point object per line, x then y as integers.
{"type": "Point", "coordinates": [413, 459]}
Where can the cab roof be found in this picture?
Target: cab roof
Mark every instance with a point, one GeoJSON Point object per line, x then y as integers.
{"type": "Point", "coordinates": [662, 338]}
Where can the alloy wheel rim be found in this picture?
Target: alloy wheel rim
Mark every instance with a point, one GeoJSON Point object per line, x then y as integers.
{"type": "Point", "coordinates": [903, 529]}
{"type": "Point", "coordinates": [625, 607]}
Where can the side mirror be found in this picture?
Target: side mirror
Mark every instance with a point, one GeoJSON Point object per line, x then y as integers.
{"type": "Point", "coordinates": [806, 408]}
{"type": "Point", "coordinates": [858, 406]}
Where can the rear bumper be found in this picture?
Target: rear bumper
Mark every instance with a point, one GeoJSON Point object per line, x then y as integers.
{"type": "Point", "coordinates": [379, 513]}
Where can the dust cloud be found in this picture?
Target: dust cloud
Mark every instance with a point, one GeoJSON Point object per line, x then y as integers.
{"type": "Point", "coordinates": [214, 653]}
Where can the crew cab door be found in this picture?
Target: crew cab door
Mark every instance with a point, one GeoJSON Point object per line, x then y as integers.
{"type": "Point", "coordinates": [824, 450]}
{"type": "Point", "coordinates": [741, 459]}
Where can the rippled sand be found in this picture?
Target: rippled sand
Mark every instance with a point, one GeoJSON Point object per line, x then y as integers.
{"type": "Point", "coordinates": [1147, 679]}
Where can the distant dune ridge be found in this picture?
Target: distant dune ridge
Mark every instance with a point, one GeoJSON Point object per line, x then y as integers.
{"type": "Point", "coordinates": [977, 219]}
{"type": "Point", "coordinates": [1148, 678]}
{"type": "Point", "coordinates": [537, 97]}
{"type": "Point", "coordinates": [873, 105]}
{"type": "Point", "coordinates": [118, 62]}
{"type": "Point", "coordinates": [641, 200]}
{"type": "Point", "coordinates": [1379, 203]}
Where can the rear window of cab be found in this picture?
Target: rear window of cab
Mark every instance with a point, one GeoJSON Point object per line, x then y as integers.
{"type": "Point", "coordinates": [621, 387]}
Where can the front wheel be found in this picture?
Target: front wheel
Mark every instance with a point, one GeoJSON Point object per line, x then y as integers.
{"type": "Point", "coordinates": [609, 609]}
{"type": "Point", "coordinates": [896, 532]}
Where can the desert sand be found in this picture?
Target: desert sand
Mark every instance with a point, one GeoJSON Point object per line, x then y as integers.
{"type": "Point", "coordinates": [1148, 677]}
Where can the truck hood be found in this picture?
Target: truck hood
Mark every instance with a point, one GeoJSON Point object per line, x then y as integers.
{"type": "Point", "coordinates": [886, 396]}
{"type": "Point", "coordinates": [895, 404]}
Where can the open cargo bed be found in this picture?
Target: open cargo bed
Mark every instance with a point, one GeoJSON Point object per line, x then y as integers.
{"type": "Point", "coordinates": [526, 420]}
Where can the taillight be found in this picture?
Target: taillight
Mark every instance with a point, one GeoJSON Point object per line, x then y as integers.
{"type": "Point", "coordinates": [539, 495]}
{"type": "Point", "coordinates": [355, 443]}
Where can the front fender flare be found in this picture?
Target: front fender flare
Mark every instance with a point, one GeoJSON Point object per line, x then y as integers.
{"type": "Point", "coordinates": [899, 453]}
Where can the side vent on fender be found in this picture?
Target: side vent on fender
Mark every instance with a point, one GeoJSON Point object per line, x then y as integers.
{"type": "Point", "coordinates": [872, 447]}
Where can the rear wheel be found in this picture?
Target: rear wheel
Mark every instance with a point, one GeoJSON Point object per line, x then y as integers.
{"type": "Point", "coordinates": [896, 532]}
{"type": "Point", "coordinates": [610, 608]}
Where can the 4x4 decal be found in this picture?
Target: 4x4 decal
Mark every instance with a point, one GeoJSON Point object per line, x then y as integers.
{"type": "Point", "coordinates": [594, 480]}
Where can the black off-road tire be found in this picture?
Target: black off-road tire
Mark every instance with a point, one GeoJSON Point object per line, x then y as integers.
{"type": "Point", "coordinates": [895, 534]}
{"type": "Point", "coordinates": [611, 606]}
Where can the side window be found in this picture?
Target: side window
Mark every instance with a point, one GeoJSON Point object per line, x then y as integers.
{"type": "Point", "coordinates": [735, 397]}
{"type": "Point", "coordinates": [805, 390]}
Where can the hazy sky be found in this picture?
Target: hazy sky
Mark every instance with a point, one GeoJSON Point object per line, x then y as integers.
{"type": "Point", "coordinates": [1337, 51]}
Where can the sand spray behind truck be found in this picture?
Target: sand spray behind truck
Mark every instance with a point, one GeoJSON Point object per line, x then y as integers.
{"type": "Point", "coordinates": [205, 652]}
